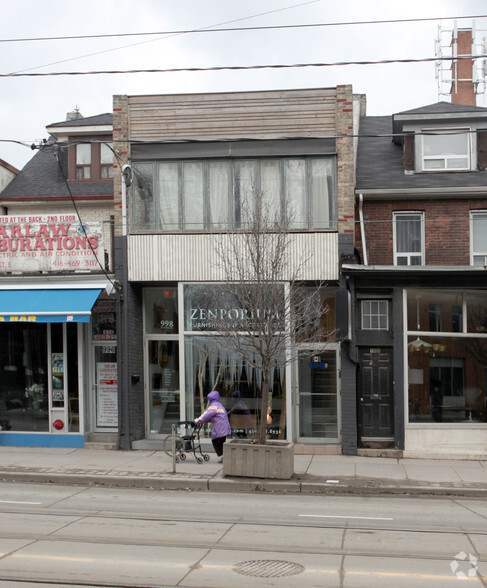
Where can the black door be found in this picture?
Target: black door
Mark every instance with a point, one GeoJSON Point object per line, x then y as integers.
{"type": "Point", "coordinates": [375, 390]}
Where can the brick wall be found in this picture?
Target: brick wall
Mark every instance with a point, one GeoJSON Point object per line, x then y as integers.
{"type": "Point", "coordinates": [447, 229]}
{"type": "Point", "coordinates": [345, 159]}
{"type": "Point", "coordinates": [121, 145]}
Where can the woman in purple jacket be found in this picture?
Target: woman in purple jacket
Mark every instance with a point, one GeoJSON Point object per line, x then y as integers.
{"type": "Point", "coordinates": [217, 414]}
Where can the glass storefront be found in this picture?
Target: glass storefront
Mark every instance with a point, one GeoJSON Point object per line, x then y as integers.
{"type": "Point", "coordinates": [318, 396]}
{"type": "Point", "coordinates": [39, 367]}
{"type": "Point", "coordinates": [209, 366]}
{"type": "Point", "coordinates": [447, 356]}
{"type": "Point", "coordinates": [187, 357]}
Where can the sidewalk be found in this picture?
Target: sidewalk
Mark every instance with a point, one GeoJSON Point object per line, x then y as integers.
{"type": "Point", "coordinates": [324, 474]}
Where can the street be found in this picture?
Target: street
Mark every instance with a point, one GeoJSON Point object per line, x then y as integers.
{"type": "Point", "coordinates": [94, 536]}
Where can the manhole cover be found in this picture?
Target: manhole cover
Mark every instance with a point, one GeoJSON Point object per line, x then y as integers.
{"type": "Point", "coordinates": [268, 568]}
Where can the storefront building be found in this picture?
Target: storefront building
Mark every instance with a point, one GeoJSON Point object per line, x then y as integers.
{"type": "Point", "coordinates": [58, 303]}
{"type": "Point", "coordinates": [420, 297]}
{"type": "Point", "coordinates": [189, 186]}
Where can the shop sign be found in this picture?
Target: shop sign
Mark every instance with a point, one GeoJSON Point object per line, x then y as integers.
{"type": "Point", "coordinates": [50, 243]}
{"type": "Point", "coordinates": [107, 397]}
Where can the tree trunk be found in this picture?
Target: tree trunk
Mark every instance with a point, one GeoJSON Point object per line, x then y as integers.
{"type": "Point", "coordinates": [264, 403]}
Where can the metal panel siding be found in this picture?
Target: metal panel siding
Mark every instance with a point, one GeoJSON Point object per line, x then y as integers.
{"type": "Point", "coordinates": [182, 257]}
{"type": "Point", "coordinates": [274, 114]}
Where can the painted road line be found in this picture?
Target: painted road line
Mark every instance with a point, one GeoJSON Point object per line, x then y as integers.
{"type": "Point", "coordinates": [347, 517]}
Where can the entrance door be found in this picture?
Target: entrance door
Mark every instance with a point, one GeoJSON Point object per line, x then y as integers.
{"type": "Point", "coordinates": [318, 397]}
{"type": "Point", "coordinates": [375, 396]}
{"type": "Point", "coordinates": [164, 409]}
{"type": "Point", "coordinates": [106, 386]}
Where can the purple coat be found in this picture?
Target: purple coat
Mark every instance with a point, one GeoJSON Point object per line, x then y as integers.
{"type": "Point", "coordinates": [217, 414]}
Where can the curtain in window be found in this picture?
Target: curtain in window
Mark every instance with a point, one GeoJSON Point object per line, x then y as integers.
{"type": "Point", "coordinates": [295, 182]}
{"type": "Point", "coordinates": [142, 217]}
{"type": "Point", "coordinates": [83, 155]}
{"type": "Point", "coordinates": [193, 190]}
{"type": "Point", "coordinates": [219, 186]}
{"type": "Point", "coordinates": [168, 196]}
{"type": "Point", "coordinates": [408, 234]}
{"type": "Point", "coordinates": [106, 154]}
{"type": "Point", "coordinates": [245, 188]}
{"type": "Point", "coordinates": [480, 233]}
{"type": "Point", "coordinates": [270, 184]}
{"type": "Point", "coordinates": [320, 197]}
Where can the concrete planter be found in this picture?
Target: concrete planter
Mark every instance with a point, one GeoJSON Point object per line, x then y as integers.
{"type": "Point", "coordinates": [273, 460]}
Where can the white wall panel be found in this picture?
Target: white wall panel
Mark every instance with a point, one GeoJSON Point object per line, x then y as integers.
{"type": "Point", "coordinates": [165, 257]}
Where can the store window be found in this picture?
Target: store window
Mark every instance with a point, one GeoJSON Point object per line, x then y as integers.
{"type": "Point", "coordinates": [211, 366]}
{"type": "Point", "coordinates": [39, 368]}
{"type": "Point", "coordinates": [197, 195]}
{"type": "Point", "coordinates": [447, 373]}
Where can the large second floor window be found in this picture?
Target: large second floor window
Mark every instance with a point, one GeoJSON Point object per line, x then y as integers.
{"type": "Point", "coordinates": [408, 238]}
{"type": "Point", "coordinates": [478, 232]}
{"type": "Point", "coordinates": [197, 195]}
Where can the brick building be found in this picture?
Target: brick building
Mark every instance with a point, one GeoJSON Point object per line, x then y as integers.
{"type": "Point", "coordinates": [189, 163]}
{"type": "Point", "coordinates": [420, 289]}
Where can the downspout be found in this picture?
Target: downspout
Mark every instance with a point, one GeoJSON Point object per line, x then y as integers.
{"type": "Point", "coordinates": [124, 388]}
{"type": "Point", "coordinates": [362, 227]}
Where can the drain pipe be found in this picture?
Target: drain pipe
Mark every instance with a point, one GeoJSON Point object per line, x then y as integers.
{"type": "Point", "coordinates": [124, 388]}
{"type": "Point", "coordinates": [362, 227]}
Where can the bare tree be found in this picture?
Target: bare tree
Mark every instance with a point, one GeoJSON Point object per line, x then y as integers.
{"type": "Point", "coordinates": [264, 307]}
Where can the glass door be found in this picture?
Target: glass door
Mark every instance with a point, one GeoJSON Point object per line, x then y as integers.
{"type": "Point", "coordinates": [318, 397]}
{"type": "Point", "coordinates": [106, 386]}
{"type": "Point", "coordinates": [163, 381]}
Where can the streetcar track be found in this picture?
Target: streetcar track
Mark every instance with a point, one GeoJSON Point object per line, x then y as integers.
{"type": "Point", "coordinates": [269, 523]}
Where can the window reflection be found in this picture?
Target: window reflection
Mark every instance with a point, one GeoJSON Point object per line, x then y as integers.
{"type": "Point", "coordinates": [447, 380]}
{"type": "Point", "coordinates": [210, 366]}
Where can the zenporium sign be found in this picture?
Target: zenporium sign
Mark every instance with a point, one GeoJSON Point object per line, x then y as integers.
{"type": "Point", "coordinates": [50, 243]}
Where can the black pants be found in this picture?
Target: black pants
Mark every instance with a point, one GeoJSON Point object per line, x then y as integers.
{"type": "Point", "coordinates": [218, 445]}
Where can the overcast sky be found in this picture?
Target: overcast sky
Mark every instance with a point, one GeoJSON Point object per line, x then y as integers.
{"type": "Point", "coordinates": [28, 104]}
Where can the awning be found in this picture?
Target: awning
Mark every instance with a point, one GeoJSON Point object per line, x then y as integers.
{"type": "Point", "coordinates": [47, 306]}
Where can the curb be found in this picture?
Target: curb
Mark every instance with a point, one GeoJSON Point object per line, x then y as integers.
{"type": "Point", "coordinates": [351, 487]}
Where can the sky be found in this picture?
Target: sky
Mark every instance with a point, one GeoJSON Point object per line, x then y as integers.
{"type": "Point", "coordinates": [29, 104]}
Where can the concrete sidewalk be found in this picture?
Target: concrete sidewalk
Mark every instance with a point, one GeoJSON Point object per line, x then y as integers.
{"type": "Point", "coordinates": [324, 474]}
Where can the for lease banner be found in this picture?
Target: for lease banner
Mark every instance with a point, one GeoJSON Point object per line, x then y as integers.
{"type": "Point", "coordinates": [50, 243]}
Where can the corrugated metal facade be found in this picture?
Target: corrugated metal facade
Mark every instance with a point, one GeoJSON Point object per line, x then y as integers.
{"type": "Point", "coordinates": [180, 258]}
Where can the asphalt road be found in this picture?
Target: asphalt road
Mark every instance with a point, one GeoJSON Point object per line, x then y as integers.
{"type": "Point", "coordinates": [90, 536]}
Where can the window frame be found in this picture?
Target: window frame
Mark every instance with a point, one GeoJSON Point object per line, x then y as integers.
{"type": "Point", "coordinates": [234, 207]}
{"type": "Point", "coordinates": [473, 253]}
{"type": "Point", "coordinates": [445, 157]}
{"type": "Point", "coordinates": [99, 172]}
{"type": "Point", "coordinates": [408, 254]}
{"type": "Point", "coordinates": [380, 314]}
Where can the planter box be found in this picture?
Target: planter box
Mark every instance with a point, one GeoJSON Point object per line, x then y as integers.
{"type": "Point", "coordinates": [274, 460]}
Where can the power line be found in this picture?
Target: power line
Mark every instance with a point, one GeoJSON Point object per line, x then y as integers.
{"type": "Point", "coordinates": [240, 67]}
{"type": "Point", "coordinates": [242, 29]}
{"type": "Point", "coordinates": [174, 35]}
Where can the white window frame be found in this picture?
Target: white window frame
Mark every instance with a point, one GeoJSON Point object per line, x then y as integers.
{"type": "Point", "coordinates": [408, 254]}
{"type": "Point", "coordinates": [477, 258]}
{"type": "Point", "coordinates": [446, 158]}
{"type": "Point", "coordinates": [382, 311]}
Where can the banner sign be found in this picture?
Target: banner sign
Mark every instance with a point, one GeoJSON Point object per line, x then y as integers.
{"type": "Point", "coordinates": [50, 243]}
{"type": "Point", "coordinates": [106, 397]}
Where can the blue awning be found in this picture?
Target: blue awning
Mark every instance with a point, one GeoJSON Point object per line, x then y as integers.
{"type": "Point", "coordinates": [47, 306]}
